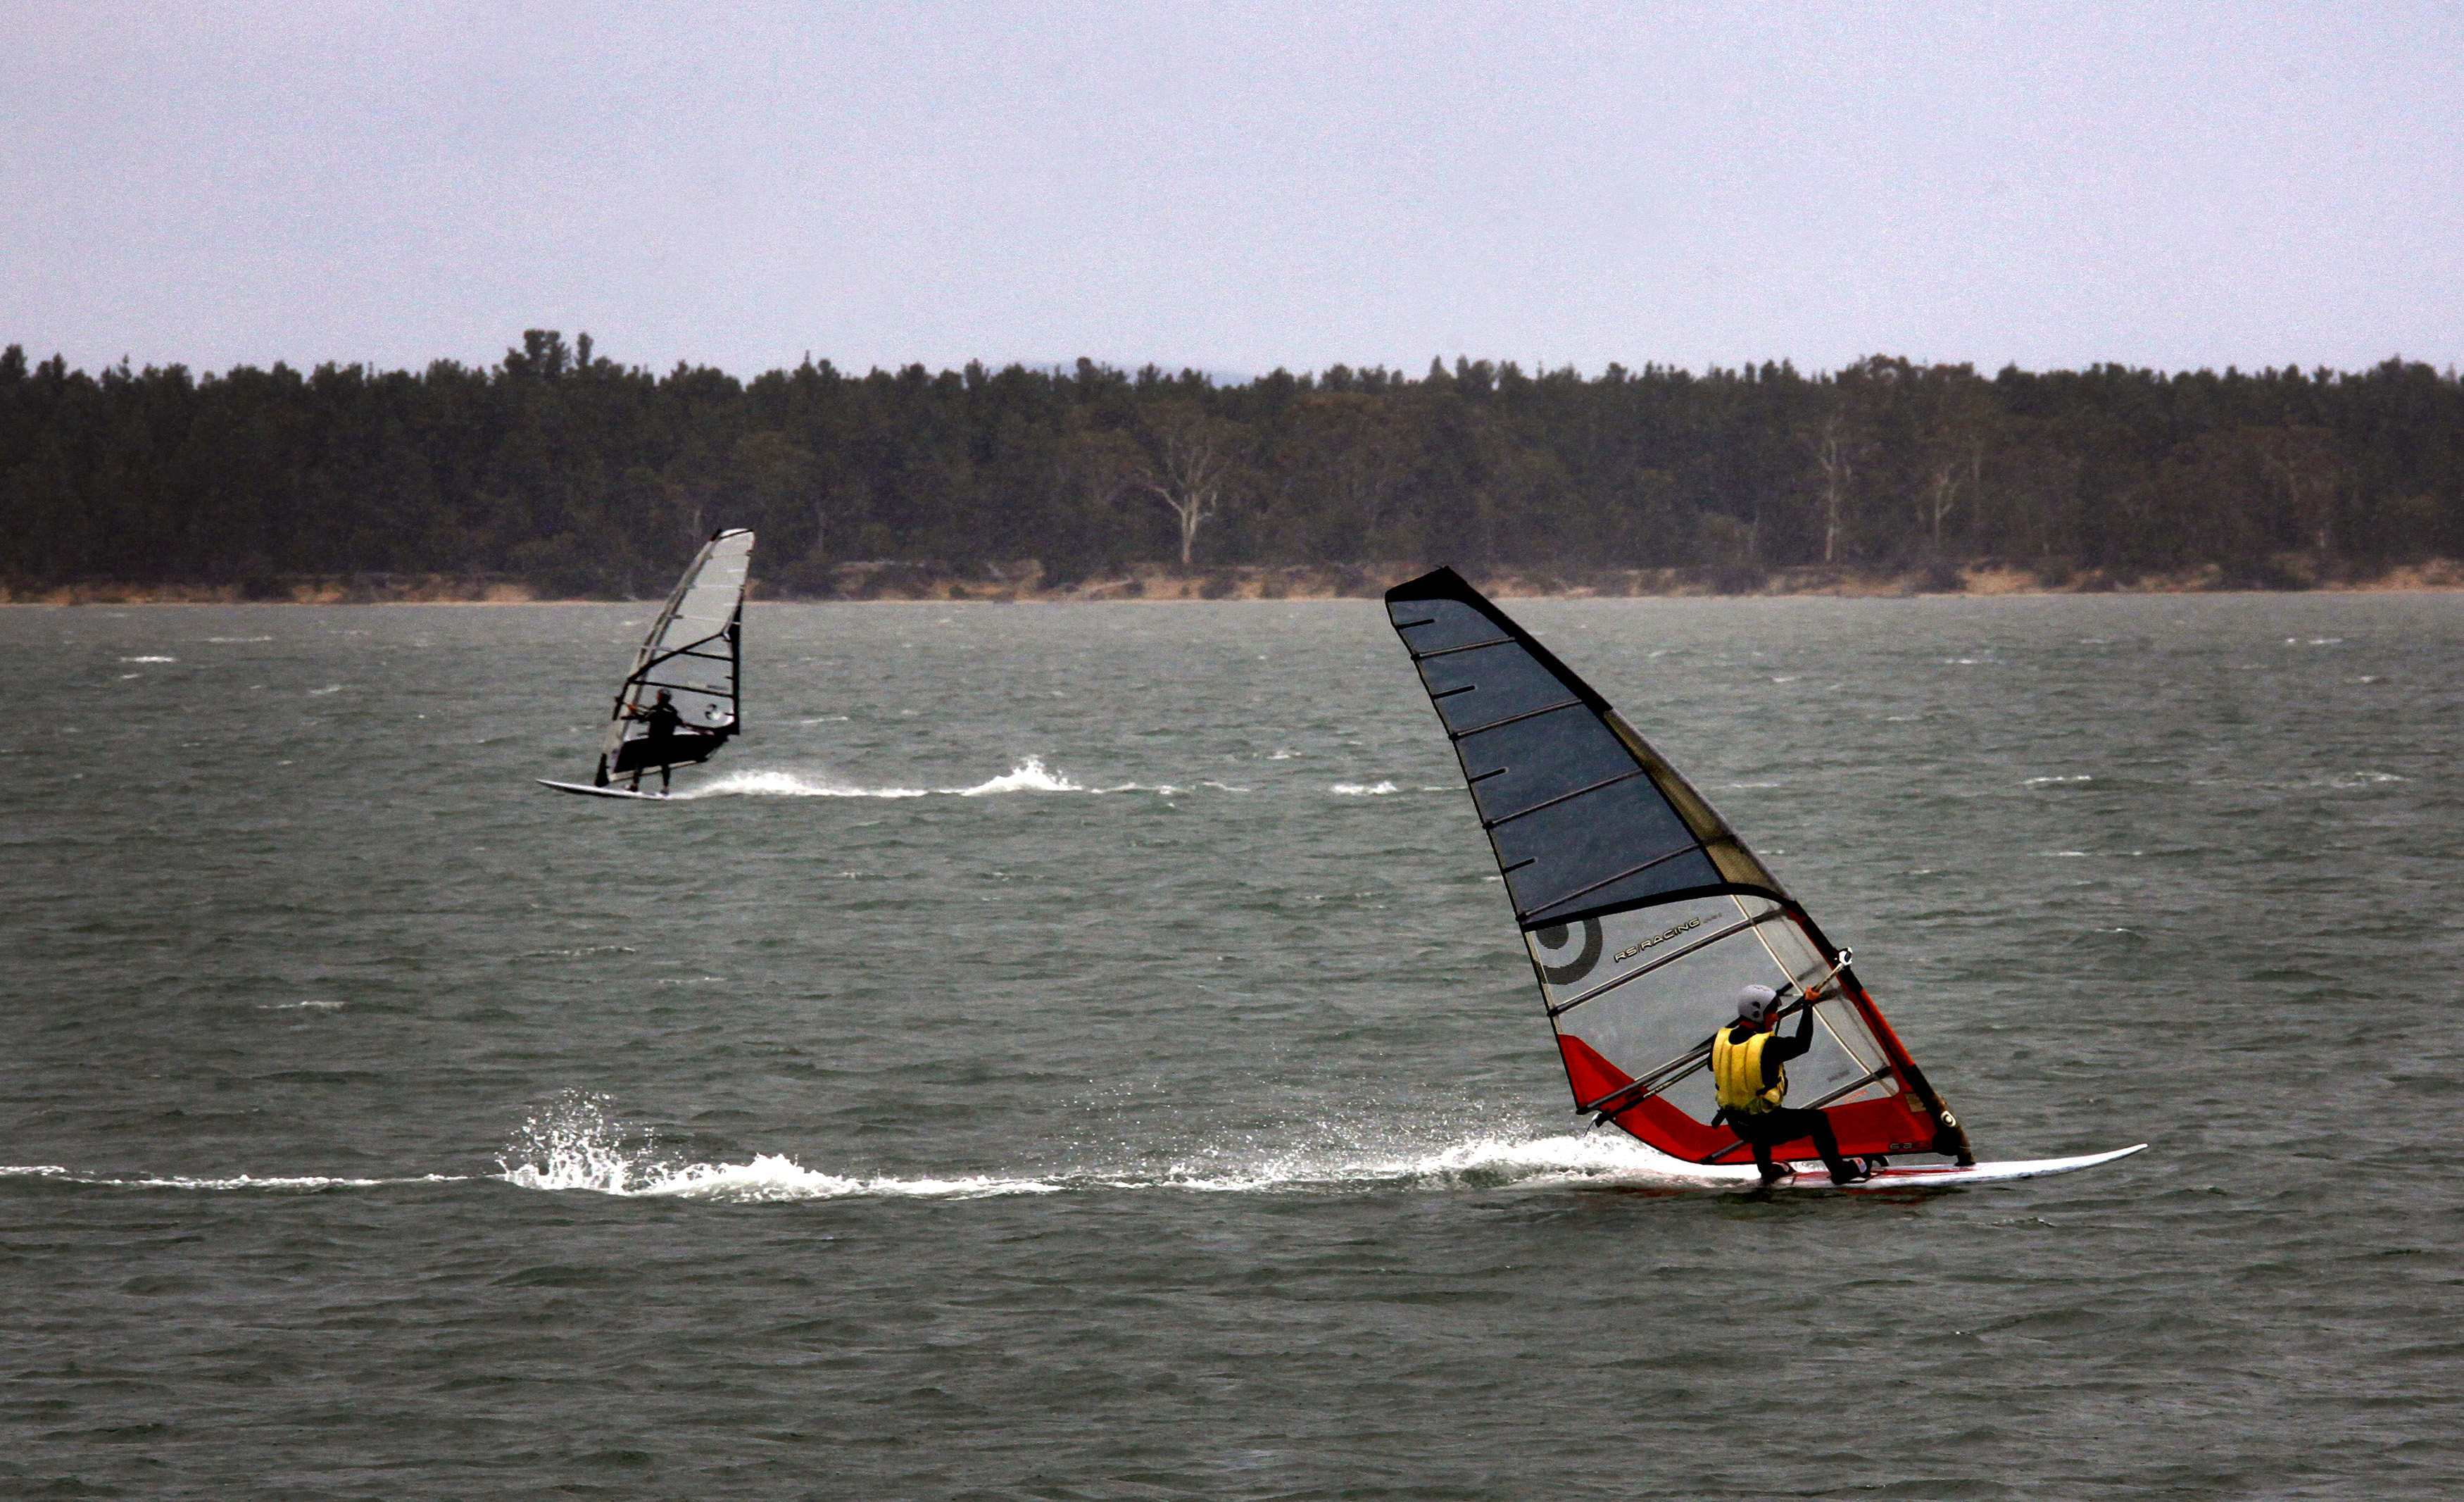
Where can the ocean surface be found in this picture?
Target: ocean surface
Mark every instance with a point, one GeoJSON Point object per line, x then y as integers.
{"type": "Point", "coordinates": [1083, 1052]}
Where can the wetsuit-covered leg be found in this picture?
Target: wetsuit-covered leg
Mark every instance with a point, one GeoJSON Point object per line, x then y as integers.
{"type": "Point", "coordinates": [1762, 1163]}
{"type": "Point", "coordinates": [1789, 1123]}
{"type": "Point", "coordinates": [1750, 1130]}
{"type": "Point", "coordinates": [1771, 1128]}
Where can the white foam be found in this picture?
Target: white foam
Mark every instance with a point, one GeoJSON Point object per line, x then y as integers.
{"type": "Point", "coordinates": [150, 659]}
{"type": "Point", "coordinates": [292, 1182]}
{"type": "Point", "coordinates": [301, 1006]}
{"type": "Point", "coordinates": [228, 641]}
{"type": "Point", "coordinates": [1029, 776]}
{"type": "Point", "coordinates": [1479, 1160]}
{"type": "Point", "coordinates": [575, 1144]}
{"type": "Point", "coordinates": [2050, 782]}
{"type": "Point", "coordinates": [770, 1177]}
{"type": "Point", "coordinates": [289, 1183]}
{"type": "Point", "coordinates": [787, 784]}
{"type": "Point", "coordinates": [1363, 789]}
{"type": "Point", "coordinates": [330, 688]}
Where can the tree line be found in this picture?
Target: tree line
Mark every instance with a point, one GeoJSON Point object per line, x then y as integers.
{"type": "Point", "coordinates": [561, 468]}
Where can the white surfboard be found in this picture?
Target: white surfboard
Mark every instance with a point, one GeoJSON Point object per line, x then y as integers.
{"type": "Point", "coordinates": [1910, 1176]}
{"type": "Point", "coordinates": [599, 793]}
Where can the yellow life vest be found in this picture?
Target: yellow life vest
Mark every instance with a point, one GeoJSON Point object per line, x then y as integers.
{"type": "Point", "coordinates": [1737, 1074]}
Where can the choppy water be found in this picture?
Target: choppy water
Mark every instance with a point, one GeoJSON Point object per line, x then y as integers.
{"type": "Point", "coordinates": [1081, 1051]}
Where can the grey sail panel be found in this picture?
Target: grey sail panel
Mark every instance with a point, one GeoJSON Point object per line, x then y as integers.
{"type": "Point", "coordinates": [1584, 816]}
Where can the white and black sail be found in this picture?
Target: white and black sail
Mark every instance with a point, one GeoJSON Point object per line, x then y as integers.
{"type": "Point", "coordinates": [1642, 912]}
{"type": "Point", "coordinates": [694, 653]}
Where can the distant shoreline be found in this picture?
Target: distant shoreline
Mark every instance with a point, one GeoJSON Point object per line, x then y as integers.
{"type": "Point", "coordinates": [894, 583]}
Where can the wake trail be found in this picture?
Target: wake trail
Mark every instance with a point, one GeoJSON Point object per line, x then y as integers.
{"type": "Point", "coordinates": [574, 1144]}
{"type": "Point", "coordinates": [1029, 776]}
{"type": "Point", "coordinates": [278, 1184]}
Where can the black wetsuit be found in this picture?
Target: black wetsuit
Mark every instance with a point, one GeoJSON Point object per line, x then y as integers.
{"type": "Point", "coordinates": [1762, 1131]}
{"type": "Point", "coordinates": [659, 724]}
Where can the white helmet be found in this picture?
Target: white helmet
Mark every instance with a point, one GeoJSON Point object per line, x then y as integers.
{"type": "Point", "coordinates": [1754, 1003]}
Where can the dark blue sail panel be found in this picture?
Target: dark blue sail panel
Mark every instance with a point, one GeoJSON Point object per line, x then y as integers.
{"type": "Point", "coordinates": [1582, 817]}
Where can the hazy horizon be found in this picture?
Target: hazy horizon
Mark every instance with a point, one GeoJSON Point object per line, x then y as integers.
{"type": "Point", "coordinates": [1236, 190]}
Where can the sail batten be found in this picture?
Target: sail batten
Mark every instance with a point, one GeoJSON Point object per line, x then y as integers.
{"type": "Point", "coordinates": [1641, 911]}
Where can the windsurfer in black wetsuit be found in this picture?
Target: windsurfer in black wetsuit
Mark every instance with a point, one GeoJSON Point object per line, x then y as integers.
{"type": "Point", "coordinates": [659, 724]}
{"type": "Point", "coordinates": [1748, 1071]}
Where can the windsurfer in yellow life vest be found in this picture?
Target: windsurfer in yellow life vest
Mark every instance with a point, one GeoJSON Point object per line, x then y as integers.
{"type": "Point", "coordinates": [1749, 1070]}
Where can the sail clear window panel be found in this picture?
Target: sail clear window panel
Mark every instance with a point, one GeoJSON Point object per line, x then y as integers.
{"type": "Point", "coordinates": [1671, 1006]}
{"type": "Point", "coordinates": [1694, 1093]}
{"type": "Point", "coordinates": [1574, 962]}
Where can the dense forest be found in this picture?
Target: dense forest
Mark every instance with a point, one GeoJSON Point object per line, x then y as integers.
{"type": "Point", "coordinates": [565, 471]}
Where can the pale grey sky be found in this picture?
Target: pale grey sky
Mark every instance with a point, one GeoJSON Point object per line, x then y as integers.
{"type": "Point", "coordinates": [1235, 186]}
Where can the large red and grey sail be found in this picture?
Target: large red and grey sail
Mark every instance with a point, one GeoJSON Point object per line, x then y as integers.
{"type": "Point", "coordinates": [1642, 912]}
{"type": "Point", "coordinates": [694, 650]}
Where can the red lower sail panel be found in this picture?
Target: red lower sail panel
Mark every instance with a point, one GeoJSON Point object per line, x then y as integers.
{"type": "Point", "coordinates": [1892, 1124]}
